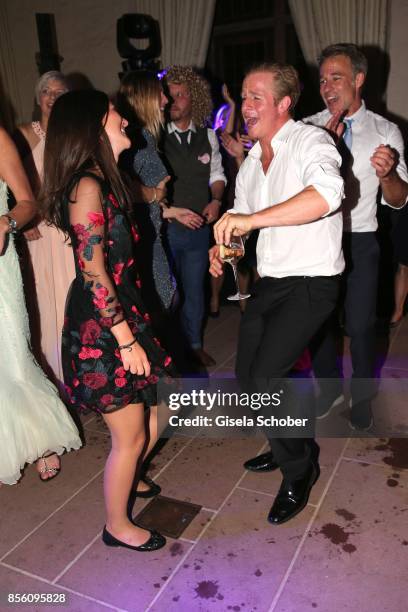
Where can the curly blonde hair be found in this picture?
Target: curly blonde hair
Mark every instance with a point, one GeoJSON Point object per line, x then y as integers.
{"type": "Point", "coordinates": [199, 89]}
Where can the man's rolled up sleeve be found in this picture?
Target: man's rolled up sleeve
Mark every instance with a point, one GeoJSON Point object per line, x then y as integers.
{"type": "Point", "coordinates": [321, 163]}
{"type": "Point", "coordinates": [216, 169]}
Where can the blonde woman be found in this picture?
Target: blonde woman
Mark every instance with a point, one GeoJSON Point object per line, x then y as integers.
{"type": "Point", "coordinates": [141, 101]}
{"type": "Point", "coordinates": [50, 267]}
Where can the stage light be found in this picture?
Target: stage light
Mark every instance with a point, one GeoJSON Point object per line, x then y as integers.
{"type": "Point", "coordinates": [136, 26]}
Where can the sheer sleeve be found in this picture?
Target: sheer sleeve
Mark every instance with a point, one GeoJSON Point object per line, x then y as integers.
{"type": "Point", "coordinates": [87, 223]}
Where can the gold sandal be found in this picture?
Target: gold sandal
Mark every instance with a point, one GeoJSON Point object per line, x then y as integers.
{"type": "Point", "coordinates": [46, 469]}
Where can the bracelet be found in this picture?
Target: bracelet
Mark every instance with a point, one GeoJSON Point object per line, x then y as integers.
{"type": "Point", "coordinates": [127, 346]}
{"type": "Point", "coordinates": [155, 196]}
{"type": "Point", "coordinates": [12, 224]}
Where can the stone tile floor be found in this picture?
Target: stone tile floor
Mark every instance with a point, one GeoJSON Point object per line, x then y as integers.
{"type": "Point", "coordinates": [347, 551]}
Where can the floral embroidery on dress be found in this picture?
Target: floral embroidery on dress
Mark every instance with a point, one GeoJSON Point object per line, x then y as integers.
{"type": "Point", "coordinates": [104, 292]}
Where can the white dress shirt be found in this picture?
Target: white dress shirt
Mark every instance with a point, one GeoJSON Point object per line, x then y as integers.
{"type": "Point", "coordinates": [369, 130]}
{"type": "Point", "coordinates": [216, 168]}
{"type": "Point", "coordinates": [303, 156]}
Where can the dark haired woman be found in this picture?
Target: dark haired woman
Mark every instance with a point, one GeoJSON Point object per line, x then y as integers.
{"type": "Point", "coordinates": [111, 360]}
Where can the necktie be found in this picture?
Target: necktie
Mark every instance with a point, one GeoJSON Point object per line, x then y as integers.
{"type": "Point", "coordinates": [184, 137]}
{"type": "Point", "coordinates": [348, 134]}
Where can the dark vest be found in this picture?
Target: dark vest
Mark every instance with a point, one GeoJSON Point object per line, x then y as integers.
{"type": "Point", "coordinates": [189, 168]}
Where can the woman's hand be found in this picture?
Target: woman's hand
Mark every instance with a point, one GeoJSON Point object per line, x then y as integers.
{"type": "Point", "coordinates": [184, 215]}
{"type": "Point", "coordinates": [135, 360]}
{"type": "Point", "coordinates": [32, 234]}
{"type": "Point", "coordinates": [161, 188]}
{"type": "Point", "coordinates": [227, 96]}
{"type": "Point", "coordinates": [233, 146]}
{"type": "Point", "coordinates": [336, 126]}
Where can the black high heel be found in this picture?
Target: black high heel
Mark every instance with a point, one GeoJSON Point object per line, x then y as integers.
{"type": "Point", "coordinates": [155, 541]}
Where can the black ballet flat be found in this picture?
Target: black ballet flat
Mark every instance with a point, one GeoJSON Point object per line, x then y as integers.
{"type": "Point", "coordinates": [214, 314]}
{"type": "Point", "coordinates": [155, 541]}
{"type": "Point", "coordinates": [154, 489]}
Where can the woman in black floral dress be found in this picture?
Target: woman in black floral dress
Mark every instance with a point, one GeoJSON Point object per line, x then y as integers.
{"type": "Point", "coordinates": [111, 359]}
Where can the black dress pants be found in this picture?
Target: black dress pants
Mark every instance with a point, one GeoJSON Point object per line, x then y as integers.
{"type": "Point", "coordinates": [361, 253]}
{"type": "Point", "coordinates": [279, 322]}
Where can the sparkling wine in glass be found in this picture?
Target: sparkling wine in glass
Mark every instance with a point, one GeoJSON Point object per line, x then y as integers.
{"type": "Point", "coordinates": [232, 253]}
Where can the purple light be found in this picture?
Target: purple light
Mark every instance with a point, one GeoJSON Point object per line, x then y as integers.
{"type": "Point", "coordinates": [219, 121]}
{"type": "Point", "coordinates": [162, 74]}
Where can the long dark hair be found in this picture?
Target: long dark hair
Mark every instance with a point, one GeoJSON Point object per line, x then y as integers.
{"type": "Point", "coordinates": [76, 142]}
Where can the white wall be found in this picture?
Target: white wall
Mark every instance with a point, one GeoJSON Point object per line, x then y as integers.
{"type": "Point", "coordinates": [86, 33]}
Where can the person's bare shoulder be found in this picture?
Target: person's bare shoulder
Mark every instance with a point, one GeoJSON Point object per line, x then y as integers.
{"type": "Point", "coordinates": [25, 132]}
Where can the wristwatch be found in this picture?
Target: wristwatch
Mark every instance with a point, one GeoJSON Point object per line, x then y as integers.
{"type": "Point", "coordinates": [12, 224]}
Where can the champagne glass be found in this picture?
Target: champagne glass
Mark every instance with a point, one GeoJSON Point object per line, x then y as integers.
{"type": "Point", "coordinates": [232, 253]}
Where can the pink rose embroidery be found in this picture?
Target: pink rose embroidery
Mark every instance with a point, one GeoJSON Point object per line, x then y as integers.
{"type": "Point", "coordinates": [101, 292]}
{"type": "Point", "coordinates": [113, 200]}
{"type": "Point", "coordinates": [88, 353]}
{"type": "Point", "coordinates": [107, 399]}
{"type": "Point", "coordinates": [135, 234]}
{"type": "Point", "coordinates": [120, 382]}
{"type": "Point", "coordinates": [90, 332]}
{"type": "Point", "coordinates": [95, 380]}
{"type": "Point", "coordinates": [96, 218]}
{"type": "Point", "coordinates": [117, 274]}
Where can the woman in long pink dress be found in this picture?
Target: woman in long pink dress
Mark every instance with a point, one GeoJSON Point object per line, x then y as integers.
{"type": "Point", "coordinates": [50, 267]}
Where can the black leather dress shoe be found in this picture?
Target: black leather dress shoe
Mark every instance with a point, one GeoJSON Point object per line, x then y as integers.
{"type": "Point", "coordinates": [154, 489]}
{"type": "Point", "coordinates": [261, 463]}
{"type": "Point", "coordinates": [155, 541]}
{"type": "Point", "coordinates": [292, 497]}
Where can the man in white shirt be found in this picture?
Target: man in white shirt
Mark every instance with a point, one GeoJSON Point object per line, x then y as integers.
{"type": "Point", "coordinates": [373, 160]}
{"type": "Point", "coordinates": [290, 188]}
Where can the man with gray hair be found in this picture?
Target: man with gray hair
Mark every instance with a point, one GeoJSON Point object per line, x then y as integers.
{"type": "Point", "coordinates": [373, 160]}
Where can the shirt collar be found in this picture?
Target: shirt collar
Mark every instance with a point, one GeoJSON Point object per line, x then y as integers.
{"type": "Point", "coordinates": [280, 137]}
{"type": "Point", "coordinates": [359, 115]}
{"type": "Point", "coordinates": [171, 127]}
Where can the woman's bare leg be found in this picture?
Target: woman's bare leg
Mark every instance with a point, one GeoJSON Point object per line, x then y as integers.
{"type": "Point", "coordinates": [127, 428]}
{"type": "Point", "coordinates": [153, 437]}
